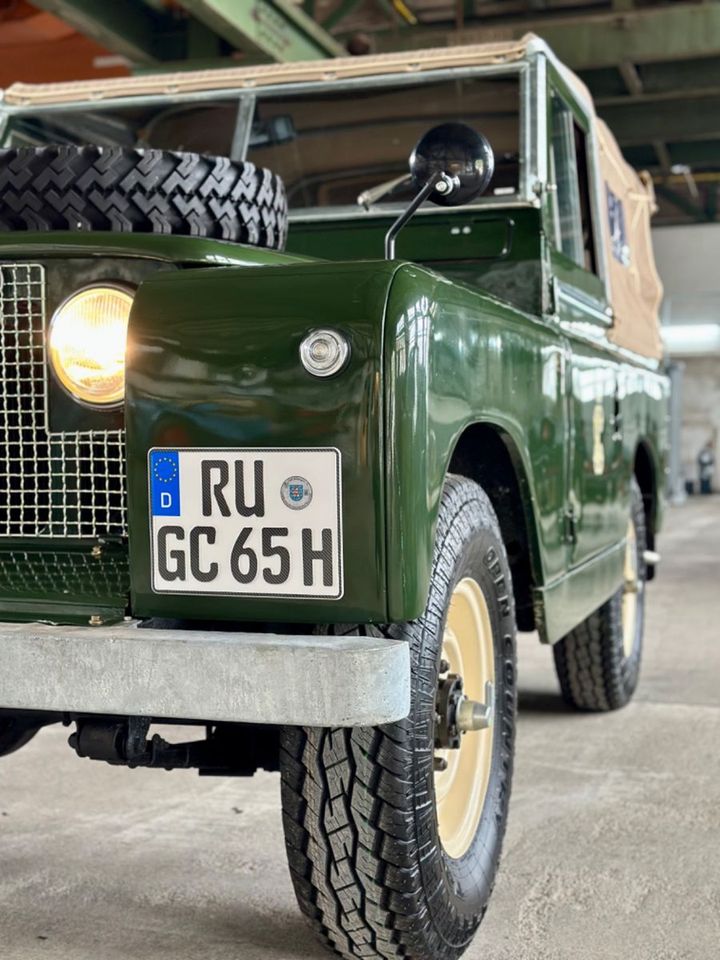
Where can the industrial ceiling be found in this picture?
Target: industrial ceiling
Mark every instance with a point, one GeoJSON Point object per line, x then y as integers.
{"type": "Point", "coordinates": [654, 69]}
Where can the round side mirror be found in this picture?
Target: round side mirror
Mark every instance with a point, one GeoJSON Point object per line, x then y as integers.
{"type": "Point", "coordinates": [460, 160]}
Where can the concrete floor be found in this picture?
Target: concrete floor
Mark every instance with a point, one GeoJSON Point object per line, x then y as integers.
{"type": "Point", "coordinates": [613, 848]}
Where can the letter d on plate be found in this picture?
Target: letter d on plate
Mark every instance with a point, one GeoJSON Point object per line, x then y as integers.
{"type": "Point", "coordinates": [165, 483]}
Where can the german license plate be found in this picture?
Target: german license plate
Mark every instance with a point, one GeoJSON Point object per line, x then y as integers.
{"type": "Point", "coordinates": [246, 522]}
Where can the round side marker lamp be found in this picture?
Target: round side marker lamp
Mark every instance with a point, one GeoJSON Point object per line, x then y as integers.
{"type": "Point", "coordinates": [86, 344]}
{"type": "Point", "coordinates": [324, 352]}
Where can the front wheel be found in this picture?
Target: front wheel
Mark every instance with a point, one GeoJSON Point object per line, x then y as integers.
{"type": "Point", "coordinates": [393, 833]}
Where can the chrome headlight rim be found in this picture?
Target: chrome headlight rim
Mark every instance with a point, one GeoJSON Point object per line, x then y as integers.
{"type": "Point", "coordinates": [98, 406]}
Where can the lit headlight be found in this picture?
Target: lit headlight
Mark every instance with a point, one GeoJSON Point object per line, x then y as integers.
{"type": "Point", "coordinates": [87, 344]}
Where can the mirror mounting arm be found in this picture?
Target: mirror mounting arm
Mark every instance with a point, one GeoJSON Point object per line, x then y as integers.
{"type": "Point", "coordinates": [391, 235]}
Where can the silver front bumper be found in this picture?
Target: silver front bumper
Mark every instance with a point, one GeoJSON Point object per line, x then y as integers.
{"type": "Point", "coordinates": [190, 675]}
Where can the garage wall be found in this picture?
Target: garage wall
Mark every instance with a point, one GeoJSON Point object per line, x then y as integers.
{"type": "Point", "coordinates": [688, 260]}
{"type": "Point", "coordinates": [700, 410]}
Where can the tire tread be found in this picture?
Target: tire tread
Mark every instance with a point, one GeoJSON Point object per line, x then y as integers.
{"type": "Point", "coordinates": [590, 661]}
{"type": "Point", "coordinates": [349, 810]}
{"type": "Point", "coordinates": [125, 190]}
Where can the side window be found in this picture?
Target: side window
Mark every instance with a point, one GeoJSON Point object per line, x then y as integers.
{"type": "Point", "coordinates": [569, 171]}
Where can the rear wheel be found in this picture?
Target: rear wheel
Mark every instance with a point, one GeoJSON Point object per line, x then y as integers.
{"type": "Point", "coordinates": [393, 833]}
{"type": "Point", "coordinates": [598, 663]}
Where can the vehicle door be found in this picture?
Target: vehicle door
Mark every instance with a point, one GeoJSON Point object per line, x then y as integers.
{"type": "Point", "coordinates": [594, 511]}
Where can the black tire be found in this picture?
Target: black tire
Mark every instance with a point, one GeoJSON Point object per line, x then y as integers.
{"type": "Point", "coordinates": [594, 672]}
{"type": "Point", "coordinates": [14, 734]}
{"type": "Point", "coordinates": [141, 191]}
{"type": "Point", "coordinates": [361, 829]}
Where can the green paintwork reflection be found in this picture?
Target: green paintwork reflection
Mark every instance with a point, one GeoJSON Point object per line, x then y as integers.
{"type": "Point", "coordinates": [496, 251]}
{"type": "Point", "coordinates": [235, 380]}
{"type": "Point", "coordinates": [54, 580]}
{"type": "Point", "coordinates": [176, 249]}
{"type": "Point", "coordinates": [455, 357]}
{"type": "Point", "coordinates": [213, 361]}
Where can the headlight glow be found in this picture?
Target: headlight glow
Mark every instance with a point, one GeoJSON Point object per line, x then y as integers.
{"type": "Point", "coordinates": [86, 344]}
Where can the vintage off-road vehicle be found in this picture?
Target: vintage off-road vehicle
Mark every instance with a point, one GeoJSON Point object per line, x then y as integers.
{"type": "Point", "coordinates": [304, 499]}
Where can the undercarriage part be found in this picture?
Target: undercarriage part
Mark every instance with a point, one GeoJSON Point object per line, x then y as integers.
{"type": "Point", "coordinates": [15, 732]}
{"type": "Point", "coordinates": [450, 695]}
{"type": "Point", "coordinates": [228, 750]}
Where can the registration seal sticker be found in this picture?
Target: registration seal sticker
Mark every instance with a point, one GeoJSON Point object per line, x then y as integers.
{"type": "Point", "coordinates": [296, 493]}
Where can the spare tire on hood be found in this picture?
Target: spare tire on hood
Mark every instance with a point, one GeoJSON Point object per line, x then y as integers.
{"type": "Point", "coordinates": [141, 191]}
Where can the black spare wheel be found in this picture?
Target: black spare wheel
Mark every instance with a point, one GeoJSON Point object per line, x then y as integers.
{"type": "Point", "coordinates": [393, 833]}
{"type": "Point", "coordinates": [141, 191]}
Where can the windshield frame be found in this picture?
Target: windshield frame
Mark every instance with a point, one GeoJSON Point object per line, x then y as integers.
{"type": "Point", "coordinates": [531, 78]}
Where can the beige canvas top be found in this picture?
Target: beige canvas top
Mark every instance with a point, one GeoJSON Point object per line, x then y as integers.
{"type": "Point", "coordinates": [268, 74]}
{"type": "Point", "coordinates": [635, 287]}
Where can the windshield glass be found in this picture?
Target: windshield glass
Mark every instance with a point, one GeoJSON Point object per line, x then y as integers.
{"type": "Point", "coordinates": [206, 127]}
{"type": "Point", "coordinates": [328, 147]}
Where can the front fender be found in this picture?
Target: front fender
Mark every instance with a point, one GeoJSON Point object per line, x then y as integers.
{"type": "Point", "coordinates": [213, 362]}
{"type": "Point", "coordinates": [455, 357]}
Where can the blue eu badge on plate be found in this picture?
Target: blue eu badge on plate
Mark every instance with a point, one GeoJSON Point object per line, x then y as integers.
{"type": "Point", "coordinates": [165, 483]}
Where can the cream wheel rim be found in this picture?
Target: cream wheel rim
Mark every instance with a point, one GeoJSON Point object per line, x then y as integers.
{"type": "Point", "coordinates": [461, 788]}
{"type": "Point", "coordinates": [631, 589]}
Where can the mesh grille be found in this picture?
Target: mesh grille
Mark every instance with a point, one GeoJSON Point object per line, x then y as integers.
{"type": "Point", "coordinates": [64, 485]}
{"type": "Point", "coordinates": [47, 573]}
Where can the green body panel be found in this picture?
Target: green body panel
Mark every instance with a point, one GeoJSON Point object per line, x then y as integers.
{"type": "Point", "coordinates": [429, 358]}
{"type": "Point", "coordinates": [67, 582]}
{"type": "Point", "coordinates": [568, 600]}
{"type": "Point", "coordinates": [498, 251]}
{"type": "Point", "coordinates": [213, 361]}
{"type": "Point", "coordinates": [166, 247]}
{"type": "Point", "coordinates": [455, 357]}
{"type": "Point", "coordinates": [478, 322]}
{"type": "Point", "coordinates": [235, 380]}
{"type": "Point", "coordinates": [452, 357]}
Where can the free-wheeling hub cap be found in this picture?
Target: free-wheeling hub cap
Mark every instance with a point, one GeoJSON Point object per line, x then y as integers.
{"type": "Point", "coordinates": [465, 707]}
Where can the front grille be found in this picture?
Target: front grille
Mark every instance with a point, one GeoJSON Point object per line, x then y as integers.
{"type": "Point", "coordinates": [52, 484]}
{"type": "Point", "coordinates": [51, 574]}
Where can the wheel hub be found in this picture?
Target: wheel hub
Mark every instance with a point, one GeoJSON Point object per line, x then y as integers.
{"type": "Point", "coordinates": [465, 707]}
{"type": "Point", "coordinates": [457, 714]}
{"type": "Point", "coordinates": [631, 588]}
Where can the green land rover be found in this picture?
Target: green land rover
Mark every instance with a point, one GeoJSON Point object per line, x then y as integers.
{"type": "Point", "coordinates": [304, 499]}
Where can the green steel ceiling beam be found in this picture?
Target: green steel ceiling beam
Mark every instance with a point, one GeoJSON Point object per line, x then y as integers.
{"type": "Point", "coordinates": [638, 123]}
{"type": "Point", "coordinates": [696, 154]}
{"type": "Point", "coordinates": [339, 13]}
{"type": "Point", "coordinates": [695, 212]}
{"type": "Point", "coordinates": [676, 32]}
{"type": "Point", "coordinates": [677, 80]}
{"type": "Point", "coordinates": [123, 26]}
{"type": "Point", "coordinates": [276, 28]}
